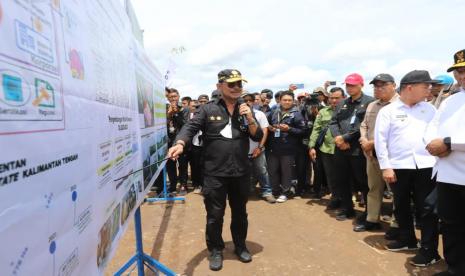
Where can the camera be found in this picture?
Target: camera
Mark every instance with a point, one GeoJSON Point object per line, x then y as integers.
{"type": "Point", "coordinates": [312, 100]}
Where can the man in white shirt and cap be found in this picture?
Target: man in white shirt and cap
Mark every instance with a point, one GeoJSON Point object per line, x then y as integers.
{"type": "Point", "coordinates": [399, 144]}
{"type": "Point", "coordinates": [448, 132]}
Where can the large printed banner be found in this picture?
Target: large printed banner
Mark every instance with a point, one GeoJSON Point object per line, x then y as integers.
{"type": "Point", "coordinates": [80, 107]}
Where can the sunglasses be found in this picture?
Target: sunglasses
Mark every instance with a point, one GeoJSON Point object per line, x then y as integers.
{"type": "Point", "coordinates": [234, 84]}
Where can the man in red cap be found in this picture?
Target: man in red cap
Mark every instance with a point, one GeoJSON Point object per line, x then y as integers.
{"type": "Point", "coordinates": [348, 156]}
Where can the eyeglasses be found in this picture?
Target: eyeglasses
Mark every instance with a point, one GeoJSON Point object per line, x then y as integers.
{"type": "Point", "coordinates": [248, 100]}
{"type": "Point", "coordinates": [236, 83]}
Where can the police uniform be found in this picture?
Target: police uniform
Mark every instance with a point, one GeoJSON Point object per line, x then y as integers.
{"type": "Point", "coordinates": [225, 167]}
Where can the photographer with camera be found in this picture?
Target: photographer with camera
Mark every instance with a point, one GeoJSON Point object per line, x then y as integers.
{"type": "Point", "coordinates": [322, 96]}
{"type": "Point", "coordinates": [308, 108]}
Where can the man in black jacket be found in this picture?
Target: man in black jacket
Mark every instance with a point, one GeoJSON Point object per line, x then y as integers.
{"type": "Point", "coordinates": [348, 156]}
{"type": "Point", "coordinates": [226, 126]}
{"type": "Point", "coordinates": [287, 127]}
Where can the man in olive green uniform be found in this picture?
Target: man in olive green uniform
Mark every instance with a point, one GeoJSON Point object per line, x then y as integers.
{"type": "Point", "coordinates": [322, 145]}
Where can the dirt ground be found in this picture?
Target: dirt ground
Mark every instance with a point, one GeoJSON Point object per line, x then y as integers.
{"type": "Point", "coordinates": [297, 237]}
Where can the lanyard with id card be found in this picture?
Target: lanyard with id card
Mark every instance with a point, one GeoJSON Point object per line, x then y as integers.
{"type": "Point", "coordinates": [352, 119]}
{"type": "Point", "coordinates": [277, 132]}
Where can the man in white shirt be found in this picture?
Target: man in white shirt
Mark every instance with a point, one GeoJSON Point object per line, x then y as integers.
{"type": "Point", "coordinates": [448, 132]}
{"type": "Point", "coordinates": [257, 153]}
{"type": "Point", "coordinates": [406, 164]}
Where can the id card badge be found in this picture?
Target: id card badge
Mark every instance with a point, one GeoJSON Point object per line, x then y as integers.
{"type": "Point", "coordinates": [277, 133]}
{"type": "Point", "coordinates": [352, 120]}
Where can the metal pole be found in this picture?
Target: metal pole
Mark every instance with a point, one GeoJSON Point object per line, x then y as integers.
{"type": "Point", "coordinates": [165, 194]}
{"type": "Point", "coordinates": [139, 248]}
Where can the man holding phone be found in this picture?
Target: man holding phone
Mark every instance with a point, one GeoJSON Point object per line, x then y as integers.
{"type": "Point", "coordinates": [286, 132]}
{"type": "Point", "coordinates": [176, 117]}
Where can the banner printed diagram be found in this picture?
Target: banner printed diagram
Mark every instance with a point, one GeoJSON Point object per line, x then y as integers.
{"type": "Point", "coordinates": [49, 227]}
{"type": "Point", "coordinates": [31, 96]}
{"type": "Point", "coordinates": [68, 218]}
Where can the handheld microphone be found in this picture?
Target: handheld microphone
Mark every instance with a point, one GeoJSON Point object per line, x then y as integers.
{"type": "Point", "coordinates": [244, 117]}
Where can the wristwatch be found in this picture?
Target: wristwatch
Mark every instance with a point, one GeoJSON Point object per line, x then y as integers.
{"type": "Point", "coordinates": [261, 148]}
{"type": "Point", "coordinates": [447, 141]}
{"type": "Point", "coordinates": [253, 122]}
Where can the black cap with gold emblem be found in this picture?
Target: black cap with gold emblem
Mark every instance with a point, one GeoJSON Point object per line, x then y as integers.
{"type": "Point", "coordinates": [459, 60]}
{"type": "Point", "coordinates": [230, 75]}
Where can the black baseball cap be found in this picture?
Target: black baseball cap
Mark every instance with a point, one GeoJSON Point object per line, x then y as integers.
{"type": "Point", "coordinates": [203, 96]}
{"type": "Point", "coordinates": [215, 94]}
{"type": "Point", "coordinates": [417, 76]}
{"type": "Point", "coordinates": [382, 77]}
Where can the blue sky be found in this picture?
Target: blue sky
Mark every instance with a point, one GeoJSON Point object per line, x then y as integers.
{"type": "Point", "coordinates": [275, 43]}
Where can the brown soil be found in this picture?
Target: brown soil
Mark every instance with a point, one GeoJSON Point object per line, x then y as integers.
{"type": "Point", "coordinates": [297, 237]}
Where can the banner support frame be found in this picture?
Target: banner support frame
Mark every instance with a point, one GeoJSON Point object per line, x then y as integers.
{"type": "Point", "coordinates": [140, 257]}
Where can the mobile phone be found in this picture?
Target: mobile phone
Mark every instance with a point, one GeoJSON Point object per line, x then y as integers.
{"type": "Point", "coordinates": [332, 82]}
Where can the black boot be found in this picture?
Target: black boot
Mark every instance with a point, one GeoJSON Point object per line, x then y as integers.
{"type": "Point", "coordinates": [216, 260]}
{"type": "Point", "coordinates": [243, 254]}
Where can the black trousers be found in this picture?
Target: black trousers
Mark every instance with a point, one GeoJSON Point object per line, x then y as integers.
{"type": "Point", "coordinates": [350, 170]}
{"type": "Point", "coordinates": [302, 161]}
{"type": "Point", "coordinates": [329, 171]}
{"type": "Point", "coordinates": [282, 171]}
{"type": "Point", "coordinates": [451, 208]}
{"type": "Point", "coordinates": [174, 175]}
{"type": "Point", "coordinates": [195, 161]}
{"type": "Point", "coordinates": [215, 191]}
{"type": "Point", "coordinates": [319, 178]}
{"type": "Point", "coordinates": [416, 184]}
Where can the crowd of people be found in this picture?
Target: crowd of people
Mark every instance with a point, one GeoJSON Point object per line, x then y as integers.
{"type": "Point", "coordinates": [406, 142]}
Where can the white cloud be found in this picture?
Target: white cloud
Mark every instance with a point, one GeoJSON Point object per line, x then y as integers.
{"type": "Point", "coordinates": [321, 41]}
{"type": "Point", "coordinates": [404, 66]}
{"type": "Point", "coordinates": [363, 48]}
{"type": "Point", "coordinates": [271, 67]}
{"type": "Point", "coordinates": [296, 74]}
{"type": "Point", "coordinates": [226, 47]}
{"type": "Point", "coordinates": [372, 67]}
